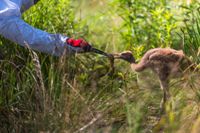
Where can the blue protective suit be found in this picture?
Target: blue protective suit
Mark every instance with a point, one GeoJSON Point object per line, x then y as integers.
{"type": "Point", "coordinates": [15, 29]}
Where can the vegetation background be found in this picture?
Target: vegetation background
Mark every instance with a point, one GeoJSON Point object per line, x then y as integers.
{"type": "Point", "coordinates": [41, 93]}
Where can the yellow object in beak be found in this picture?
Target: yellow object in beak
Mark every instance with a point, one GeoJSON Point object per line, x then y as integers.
{"type": "Point", "coordinates": [116, 56]}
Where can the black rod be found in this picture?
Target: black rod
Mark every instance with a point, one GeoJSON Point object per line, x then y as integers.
{"type": "Point", "coordinates": [99, 52]}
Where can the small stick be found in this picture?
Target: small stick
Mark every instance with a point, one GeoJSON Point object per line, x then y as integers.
{"type": "Point", "coordinates": [89, 124]}
{"type": "Point", "coordinates": [112, 67]}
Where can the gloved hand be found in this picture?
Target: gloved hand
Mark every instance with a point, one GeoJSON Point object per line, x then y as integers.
{"type": "Point", "coordinates": [79, 43]}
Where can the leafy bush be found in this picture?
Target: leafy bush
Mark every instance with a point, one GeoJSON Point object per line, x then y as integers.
{"type": "Point", "coordinates": [54, 16]}
{"type": "Point", "coordinates": [146, 24]}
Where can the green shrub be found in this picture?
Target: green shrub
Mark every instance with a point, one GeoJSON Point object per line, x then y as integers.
{"type": "Point", "coordinates": [146, 24]}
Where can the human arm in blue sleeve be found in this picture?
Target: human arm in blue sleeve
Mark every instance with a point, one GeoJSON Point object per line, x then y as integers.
{"type": "Point", "coordinates": [15, 29]}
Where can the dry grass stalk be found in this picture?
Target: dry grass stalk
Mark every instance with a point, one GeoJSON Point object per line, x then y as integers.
{"type": "Point", "coordinates": [39, 89]}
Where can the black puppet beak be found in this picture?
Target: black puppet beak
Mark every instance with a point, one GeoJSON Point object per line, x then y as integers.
{"type": "Point", "coordinates": [101, 53]}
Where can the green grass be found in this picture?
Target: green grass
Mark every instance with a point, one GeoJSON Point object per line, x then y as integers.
{"type": "Point", "coordinates": [70, 94]}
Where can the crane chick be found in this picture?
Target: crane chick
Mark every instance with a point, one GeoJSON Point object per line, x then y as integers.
{"type": "Point", "coordinates": [165, 62]}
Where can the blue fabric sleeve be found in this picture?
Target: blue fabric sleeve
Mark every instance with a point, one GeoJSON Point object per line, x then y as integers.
{"type": "Point", "coordinates": [15, 29]}
{"type": "Point", "coordinates": [20, 32]}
